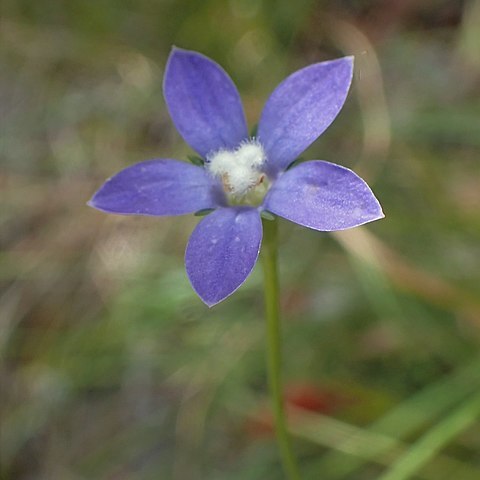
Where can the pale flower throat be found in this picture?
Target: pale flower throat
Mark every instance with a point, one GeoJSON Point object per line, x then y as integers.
{"type": "Point", "coordinates": [241, 171]}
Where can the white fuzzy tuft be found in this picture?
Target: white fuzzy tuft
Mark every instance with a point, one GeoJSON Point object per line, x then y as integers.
{"type": "Point", "coordinates": [240, 169]}
{"type": "Point", "coordinates": [240, 179]}
{"type": "Point", "coordinates": [221, 162]}
{"type": "Point", "coordinates": [250, 154]}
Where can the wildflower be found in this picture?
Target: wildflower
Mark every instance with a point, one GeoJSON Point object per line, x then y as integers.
{"type": "Point", "coordinates": [241, 177]}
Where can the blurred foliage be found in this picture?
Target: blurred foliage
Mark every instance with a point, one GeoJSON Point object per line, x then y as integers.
{"type": "Point", "coordinates": [111, 368]}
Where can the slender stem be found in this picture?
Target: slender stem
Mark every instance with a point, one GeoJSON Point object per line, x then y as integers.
{"type": "Point", "coordinates": [274, 354]}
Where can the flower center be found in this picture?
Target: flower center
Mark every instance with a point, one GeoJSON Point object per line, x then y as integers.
{"type": "Point", "coordinates": [240, 170]}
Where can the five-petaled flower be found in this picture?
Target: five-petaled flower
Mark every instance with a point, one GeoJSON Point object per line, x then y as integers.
{"type": "Point", "coordinates": [243, 176]}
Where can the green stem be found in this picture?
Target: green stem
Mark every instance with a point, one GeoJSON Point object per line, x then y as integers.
{"type": "Point", "coordinates": [274, 354]}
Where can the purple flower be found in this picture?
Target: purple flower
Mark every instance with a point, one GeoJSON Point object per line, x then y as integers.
{"type": "Point", "coordinates": [242, 176]}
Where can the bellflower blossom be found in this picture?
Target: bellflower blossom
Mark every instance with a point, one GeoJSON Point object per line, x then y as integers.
{"type": "Point", "coordinates": [240, 176]}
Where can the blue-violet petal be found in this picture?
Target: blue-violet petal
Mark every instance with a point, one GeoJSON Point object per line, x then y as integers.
{"type": "Point", "coordinates": [301, 108]}
{"type": "Point", "coordinates": [222, 251]}
{"type": "Point", "coordinates": [203, 102]}
{"type": "Point", "coordinates": [159, 187]}
{"type": "Point", "coordinates": [323, 196]}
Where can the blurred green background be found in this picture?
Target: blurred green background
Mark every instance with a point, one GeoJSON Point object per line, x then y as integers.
{"type": "Point", "coordinates": [112, 368]}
